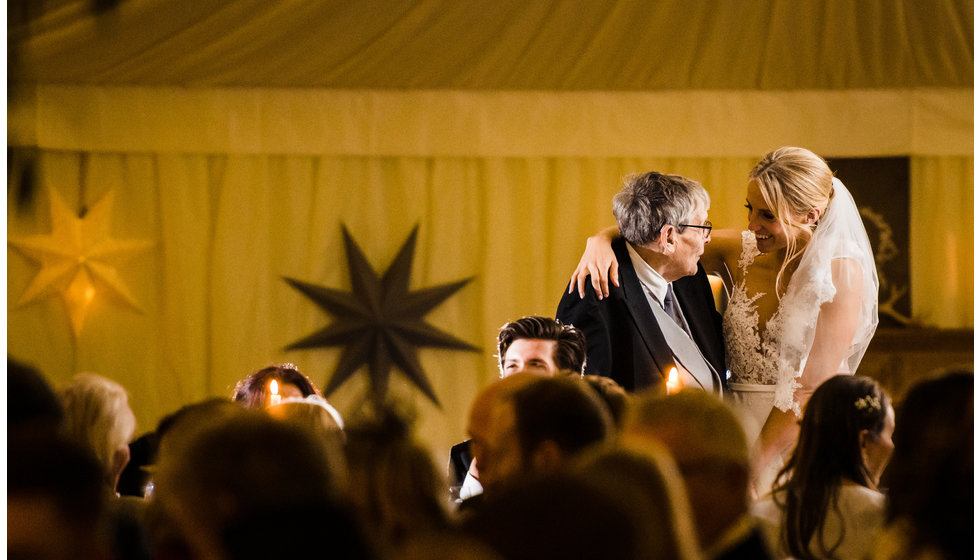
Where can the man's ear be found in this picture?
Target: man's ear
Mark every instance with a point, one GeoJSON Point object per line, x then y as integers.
{"type": "Point", "coordinates": [667, 240]}
{"type": "Point", "coordinates": [120, 458]}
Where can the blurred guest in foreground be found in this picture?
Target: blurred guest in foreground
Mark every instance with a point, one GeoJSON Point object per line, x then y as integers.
{"type": "Point", "coordinates": [56, 499]}
{"type": "Point", "coordinates": [248, 486]}
{"type": "Point", "coordinates": [35, 404]}
{"type": "Point", "coordinates": [826, 502]}
{"type": "Point", "coordinates": [172, 433]}
{"type": "Point", "coordinates": [615, 397]}
{"type": "Point", "coordinates": [930, 477]}
{"type": "Point", "coordinates": [478, 427]}
{"type": "Point", "coordinates": [394, 485]}
{"type": "Point", "coordinates": [611, 503]}
{"type": "Point", "coordinates": [531, 426]}
{"type": "Point", "coordinates": [645, 480]}
{"type": "Point", "coordinates": [709, 446]}
{"type": "Point", "coordinates": [315, 414]}
{"type": "Point", "coordinates": [560, 515]}
{"type": "Point", "coordinates": [56, 488]}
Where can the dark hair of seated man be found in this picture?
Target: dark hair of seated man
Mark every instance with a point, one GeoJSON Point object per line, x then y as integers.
{"type": "Point", "coordinates": [569, 343]}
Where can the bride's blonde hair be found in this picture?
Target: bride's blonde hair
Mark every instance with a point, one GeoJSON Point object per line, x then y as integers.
{"type": "Point", "coordinates": [793, 182]}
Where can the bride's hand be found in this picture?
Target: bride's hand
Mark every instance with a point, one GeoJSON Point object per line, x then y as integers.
{"type": "Point", "coordinates": [599, 262]}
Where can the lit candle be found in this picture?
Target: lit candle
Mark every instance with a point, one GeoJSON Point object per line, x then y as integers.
{"type": "Point", "coordinates": [717, 291]}
{"type": "Point", "coordinates": [673, 383]}
{"type": "Point", "coordinates": [274, 396]}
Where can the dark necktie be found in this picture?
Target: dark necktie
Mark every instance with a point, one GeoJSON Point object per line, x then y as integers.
{"type": "Point", "coordinates": [671, 308]}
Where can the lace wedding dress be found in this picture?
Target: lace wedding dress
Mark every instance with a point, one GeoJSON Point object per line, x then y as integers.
{"type": "Point", "coordinates": [766, 362]}
{"type": "Point", "coordinates": [761, 378]}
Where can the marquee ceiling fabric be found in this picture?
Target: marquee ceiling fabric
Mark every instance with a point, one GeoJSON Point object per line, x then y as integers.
{"type": "Point", "coordinates": [615, 45]}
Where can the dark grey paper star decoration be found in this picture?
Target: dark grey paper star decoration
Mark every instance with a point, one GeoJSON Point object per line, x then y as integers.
{"type": "Point", "coordinates": [379, 322]}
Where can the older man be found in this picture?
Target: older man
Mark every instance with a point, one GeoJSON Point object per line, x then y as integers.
{"type": "Point", "coordinates": [662, 314]}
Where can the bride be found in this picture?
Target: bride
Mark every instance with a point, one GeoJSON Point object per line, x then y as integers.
{"type": "Point", "coordinates": [803, 294]}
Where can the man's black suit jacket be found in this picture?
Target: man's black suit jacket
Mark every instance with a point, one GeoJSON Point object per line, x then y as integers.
{"type": "Point", "coordinates": [623, 336]}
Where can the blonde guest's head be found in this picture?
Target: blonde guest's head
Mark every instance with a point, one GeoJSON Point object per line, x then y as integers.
{"type": "Point", "coordinates": [97, 415]}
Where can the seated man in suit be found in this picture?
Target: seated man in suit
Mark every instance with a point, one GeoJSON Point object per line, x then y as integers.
{"type": "Point", "coordinates": [709, 446]}
{"type": "Point", "coordinates": [538, 345]}
{"type": "Point", "coordinates": [662, 315]}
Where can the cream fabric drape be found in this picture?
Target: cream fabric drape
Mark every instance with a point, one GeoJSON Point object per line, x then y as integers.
{"type": "Point", "coordinates": [694, 123]}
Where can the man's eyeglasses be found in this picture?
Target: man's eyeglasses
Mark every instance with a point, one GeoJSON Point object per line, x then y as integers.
{"type": "Point", "coordinates": [706, 228]}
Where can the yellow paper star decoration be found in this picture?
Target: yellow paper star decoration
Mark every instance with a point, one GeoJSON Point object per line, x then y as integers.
{"type": "Point", "coordinates": [78, 258]}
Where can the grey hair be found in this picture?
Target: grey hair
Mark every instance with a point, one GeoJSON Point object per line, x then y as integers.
{"type": "Point", "coordinates": [650, 201]}
{"type": "Point", "coordinates": [98, 416]}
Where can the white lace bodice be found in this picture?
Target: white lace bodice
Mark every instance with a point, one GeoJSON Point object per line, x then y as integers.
{"type": "Point", "coordinates": [774, 353]}
{"type": "Point", "coordinates": [745, 342]}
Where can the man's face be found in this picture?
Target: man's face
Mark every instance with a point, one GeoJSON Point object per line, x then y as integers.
{"type": "Point", "coordinates": [530, 355]}
{"type": "Point", "coordinates": [688, 247]}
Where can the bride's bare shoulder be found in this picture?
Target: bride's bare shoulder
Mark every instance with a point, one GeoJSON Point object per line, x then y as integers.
{"type": "Point", "coordinates": [727, 243]}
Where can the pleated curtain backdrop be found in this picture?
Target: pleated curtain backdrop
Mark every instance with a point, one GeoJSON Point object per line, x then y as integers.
{"type": "Point", "coordinates": [227, 228]}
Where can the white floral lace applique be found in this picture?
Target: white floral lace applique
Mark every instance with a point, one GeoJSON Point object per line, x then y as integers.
{"type": "Point", "coordinates": [776, 355]}
{"type": "Point", "coordinates": [743, 340]}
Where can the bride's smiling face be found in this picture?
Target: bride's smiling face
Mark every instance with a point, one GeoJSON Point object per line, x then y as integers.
{"type": "Point", "coordinates": [770, 234]}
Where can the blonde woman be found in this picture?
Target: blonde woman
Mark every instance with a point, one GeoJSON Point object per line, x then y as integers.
{"type": "Point", "coordinates": [98, 416]}
{"type": "Point", "coordinates": [803, 293]}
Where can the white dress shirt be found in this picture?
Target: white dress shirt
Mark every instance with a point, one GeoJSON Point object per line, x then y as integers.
{"type": "Point", "coordinates": [655, 288]}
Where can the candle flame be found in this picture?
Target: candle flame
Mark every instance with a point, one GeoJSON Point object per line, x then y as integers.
{"type": "Point", "coordinates": [673, 384]}
{"type": "Point", "coordinates": [274, 396]}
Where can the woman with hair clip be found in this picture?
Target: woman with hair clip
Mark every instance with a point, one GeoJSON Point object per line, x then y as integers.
{"type": "Point", "coordinates": [254, 392]}
{"type": "Point", "coordinates": [826, 503]}
{"type": "Point", "coordinates": [803, 295]}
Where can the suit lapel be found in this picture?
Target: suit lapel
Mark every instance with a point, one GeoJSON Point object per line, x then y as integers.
{"type": "Point", "coordinates": [687, 353]}
{"type": "Point", "coordinates": [700, 314]}
{"type": "Point", "coordinates": [639, 308]}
